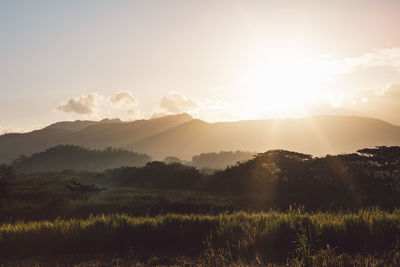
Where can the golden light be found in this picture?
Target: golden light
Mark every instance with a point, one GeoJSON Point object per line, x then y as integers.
{"type": "Point", "coordinates": [287, 86]}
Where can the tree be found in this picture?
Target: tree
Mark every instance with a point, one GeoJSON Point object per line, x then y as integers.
{"type": "Point", "coordinates": [7, 176]}
{"type": "Point", "coordinates": [383, 163]}
{"type": "Point", "coordinates": [83, 191]}
{"type": "Point", "coordinates": [7, 173]}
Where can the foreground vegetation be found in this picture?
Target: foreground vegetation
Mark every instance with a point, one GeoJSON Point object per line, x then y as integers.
{"type": "Point", "coordinates": [281, 207]}
{"type": "Point", "coordinates": [247, 238]}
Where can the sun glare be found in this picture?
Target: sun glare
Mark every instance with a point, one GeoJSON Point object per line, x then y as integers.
{"type": "Point", "coordinates": [287, 86]}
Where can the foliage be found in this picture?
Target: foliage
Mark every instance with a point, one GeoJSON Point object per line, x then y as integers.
{"type": "Point", "coordinates": [157, 174]}
{"type": "Point", "coordinates": [275, 179]}
{"type": "Point", "coordinates": [382, 162]}
{"type": "Point", "coordinates": [7, 177]}
{"type": "Point", "coordinates": [281, 178]}
{"type": "Point", "coordinates": [265, 237]}
{"type": "Point", "coordinates": [83, 191]}
{"type": "Point", "coordinates": [208, 221]}
{"type": "Point", "coordinates": [7, 173]}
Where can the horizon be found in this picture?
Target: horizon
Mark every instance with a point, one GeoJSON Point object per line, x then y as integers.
{"type": "Point", "coordinates": [193, 118]}
{"type": "Point", "coordinates": [216, 61]}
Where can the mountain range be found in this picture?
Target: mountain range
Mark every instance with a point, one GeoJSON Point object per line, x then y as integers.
{"type": "Point", "coordinates": [182, 136]}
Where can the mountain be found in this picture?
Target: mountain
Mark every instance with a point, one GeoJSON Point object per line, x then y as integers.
{"type": "Point", "coordinates": [182, 136]}
{"type": "Point", "coordinates": [319, 135]}
{"type": "Point", "coordinates": [89, 134]}
{"type": "Point", "coordinates": [76, 126]}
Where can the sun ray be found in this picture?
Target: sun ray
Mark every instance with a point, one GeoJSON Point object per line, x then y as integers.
{"type": "Point", "coordinates": [287, 86]}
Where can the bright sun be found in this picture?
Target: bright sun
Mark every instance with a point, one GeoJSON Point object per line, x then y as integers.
{"type": "Point", "coordinates": [287, 86]}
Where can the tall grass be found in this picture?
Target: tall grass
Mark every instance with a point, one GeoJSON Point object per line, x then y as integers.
{"type": "Point", "coordinates": [271, 236]}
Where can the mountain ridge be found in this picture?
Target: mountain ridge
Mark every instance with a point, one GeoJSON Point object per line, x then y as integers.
{"type": "Point", "coordinates": [183, 136]}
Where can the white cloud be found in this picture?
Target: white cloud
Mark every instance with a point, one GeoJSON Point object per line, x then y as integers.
{"type": "Point", "coordinates": [379, 57]}
{"type": "Point", "coordinates": [385, 106]}
{"type": "Point", "coordinates": [124, 97]}
{"type": "Point", "coordinates": [375, 58]}
{"type": "Point", "coordinates": [367, 103]}
{"type": "Point", "coordinates": [5, 130]}
{"type": "Point", "coordinates": [176, 102]}
{"type": "Point", "coordinates": [123, 105]}
{"type": "Point", "coordinates": [84, 104]}
{"type": "Point", "coordinates": [96, 106]}
{"type": "Point", "coordinates": [371, 71]}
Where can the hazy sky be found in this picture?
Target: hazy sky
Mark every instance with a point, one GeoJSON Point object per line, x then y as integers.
{"type": "Point", "coordinates": [216, 60]}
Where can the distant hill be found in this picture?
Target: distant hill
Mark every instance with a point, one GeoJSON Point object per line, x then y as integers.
{"type": "Point", "coordinates": [97, 135]}
{"type": "Point", "coordinates": [221, 160]}
{"type": "Point", "coordinates": [182, 136]}
{"type": "Point", "coordinates": [68, 157]}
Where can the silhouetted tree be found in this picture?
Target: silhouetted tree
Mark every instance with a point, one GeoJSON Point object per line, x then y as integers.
{"type": "Point", "coordinates": [157, 174]}
{"type": "Point", "coordinates": [7, 173]}
{"type": "Point", "coordinates": [384, 163]}
{"type": "Point", "coordinates": [279, 178]}
{"type": "Point", "coordinates": [83, 191]}
{"type": "Point", "coordinates": [7, 177]}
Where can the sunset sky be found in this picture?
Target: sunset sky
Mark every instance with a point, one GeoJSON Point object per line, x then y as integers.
{"type": "Point", "coordinates": [216, 60]}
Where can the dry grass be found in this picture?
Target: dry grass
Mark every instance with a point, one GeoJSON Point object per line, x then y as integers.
{"type": "Point", "coordinates": [294, 238]}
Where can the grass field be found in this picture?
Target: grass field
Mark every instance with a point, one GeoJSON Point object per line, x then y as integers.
{"type": "Point", "coordinates": [50, 202]}
{"type": "Point", "coordinates": [368, 236]}
{"type": "Point", "coordinates": [281, 208]}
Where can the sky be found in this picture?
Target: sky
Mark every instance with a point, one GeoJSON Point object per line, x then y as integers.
{"type": "Point", "coordinates": [216, 60]}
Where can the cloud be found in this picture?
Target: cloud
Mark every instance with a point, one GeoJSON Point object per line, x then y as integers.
{"type": "Point", "coordinates": [84, 104]}
{"type": "Point", "coordinates": [5, 130]}
{"type": "Point", "coordinates": [376, 58]}
{"type": "Point", "coordinates": [176, 102]}
{"type": "Point", "coordinates": [124, 97]}
{"type": "Point", "coordinates": [393, 93]}
{"type": "Point", "coordinates": [373, 71]}
{"type": "Point", "coordinates": [124, 106]}
{"type": "Point", "coordinates": [379, 57]}
{"type": "Point", "coordinates": [367, 103]}
{"type": "Point", "coordinates": [385, 106]}
{"type": "Point", "coordinates": [96, 106]}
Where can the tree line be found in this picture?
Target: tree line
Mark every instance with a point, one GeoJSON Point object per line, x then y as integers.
{"type": "Point", "coordinates": [276, 178]}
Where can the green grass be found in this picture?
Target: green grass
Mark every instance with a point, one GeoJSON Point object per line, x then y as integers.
{"type": "Point", "coordinates": [271, 236]}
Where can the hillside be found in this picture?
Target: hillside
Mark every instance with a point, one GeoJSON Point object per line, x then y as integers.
{"type": "Point", "coordinates": [68, 157]}
{"type": "Point", "coordinates": [89, 134]}
{"type": "Point", "coordinates": [317, 136]}
{"type": "Point", "coordinates": [182, 136]}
